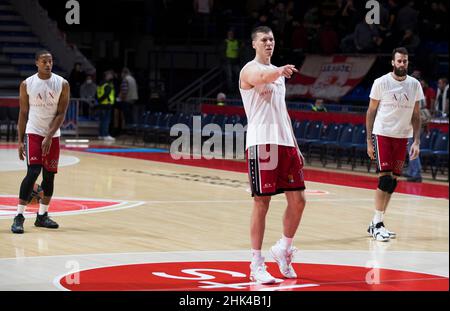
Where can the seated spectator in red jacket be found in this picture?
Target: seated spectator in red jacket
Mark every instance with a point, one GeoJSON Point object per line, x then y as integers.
{"type": "Point", "coordinates": [299, 36]}
{"type": "Point", "coordinates": [328, 39]}
{"type": "Point", "coordinates": [430, 95]}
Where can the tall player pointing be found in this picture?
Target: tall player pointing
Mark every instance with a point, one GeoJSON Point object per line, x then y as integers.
{"type": "Point", "coordinates": [392, 117]}
{"type": "Point", "coordinates": [262, 87]}
{"type": "Point", "coordinates": [44, 98]}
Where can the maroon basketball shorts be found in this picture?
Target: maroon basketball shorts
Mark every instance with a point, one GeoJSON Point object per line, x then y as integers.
{"type": "Point", "coordinates": [274, 169]}
{"type": "Point", "coordinates": [390, 153]}
{"type": "Point", "coordinates": [33, 151]}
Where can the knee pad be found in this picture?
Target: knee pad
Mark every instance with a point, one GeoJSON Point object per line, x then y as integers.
{"type": "Point", "coordinates": [393, 186]}
{"type": "Point", "coordinates": [385, 183]}
{"type": "Point", "coordinates": [48, 179]}
{"type": "Point", "coordinates": [26, 187]}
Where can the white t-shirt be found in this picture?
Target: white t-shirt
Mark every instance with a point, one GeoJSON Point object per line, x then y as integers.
{"type": "Point", "coordinates": [397, 101]}
{"type": "Point", "coordinates": [267, 115]}
{"type": "Point", "coordinates": [43, 98]}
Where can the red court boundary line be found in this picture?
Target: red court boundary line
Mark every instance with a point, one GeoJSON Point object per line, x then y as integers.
{"type": "Point", "coordinates": [313, 175]}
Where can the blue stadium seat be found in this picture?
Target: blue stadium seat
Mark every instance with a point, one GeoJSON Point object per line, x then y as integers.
{"type": "Point", "coordinates": [440, 155]}
{"type": "Point", "coordinates": [329, 135]}
{"type": "Point", "coordinates": [335, 149]}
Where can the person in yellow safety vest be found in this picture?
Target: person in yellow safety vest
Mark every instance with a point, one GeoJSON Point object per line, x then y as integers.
{"type": "Point", "coordinates": [106, 97]}
{"type": "Point", "coordinates": [221, 97]}
{"type": "Point", "coordinates": [318, 106]}
{"type": "Point", "coordinates": [231, 54]}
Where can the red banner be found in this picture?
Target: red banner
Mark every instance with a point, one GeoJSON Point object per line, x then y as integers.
{"type": "Point", "coordinates": [328, 77]}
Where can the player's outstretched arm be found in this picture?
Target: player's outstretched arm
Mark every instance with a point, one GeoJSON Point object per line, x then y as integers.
{"type": "Point", "coordinates": [252, 75]}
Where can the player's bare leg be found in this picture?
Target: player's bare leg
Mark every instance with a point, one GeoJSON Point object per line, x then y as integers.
{"type": "Point", "coordinates": [283, 251]}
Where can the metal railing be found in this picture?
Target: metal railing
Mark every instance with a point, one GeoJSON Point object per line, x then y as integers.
{"type": "Point", "coordinates": [70, 125]}
{"type": "Point", "coordinates": [208, 84]}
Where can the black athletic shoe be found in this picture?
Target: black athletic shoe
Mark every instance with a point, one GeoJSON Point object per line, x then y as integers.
{"type": "Point", "coordinates": [45, 221]}
{"type": "Point", "coordinates": [17, 226]}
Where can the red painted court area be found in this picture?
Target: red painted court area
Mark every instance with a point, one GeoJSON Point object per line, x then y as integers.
{"type": "Point", "coordinates": [231, 276]}
{"type": "Point", "coordinates": [8, 205]}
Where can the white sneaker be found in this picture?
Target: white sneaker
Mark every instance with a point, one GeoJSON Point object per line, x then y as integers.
{"type": "Point", "coordinates": [259, 274]}
{"type": "Point", "coordinates": [109, 138]}
{"type": "Point", "coordinates": [284, 257]}
{"type": "Point", "coordinates": [392, 235]}
{"type": "Point", "coordinates": [101, 137]}
{"type": "Point", "coordinates": [379, 232]}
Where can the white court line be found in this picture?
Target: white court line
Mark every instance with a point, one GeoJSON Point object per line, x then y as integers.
{"type": "Point", "coordinates": [120, 205]}
{"type": "Point", "coordinates": [279, 200]}
{"type": "Point", "coordinates": [208, 251]}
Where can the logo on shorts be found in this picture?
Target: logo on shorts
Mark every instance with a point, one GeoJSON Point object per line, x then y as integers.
{"type": "Point", "coordinates": [53, 164]}
{"type": "Point", "coordinates": [290, 179]}
{"type": "Point", "coordinates": [268, 185]}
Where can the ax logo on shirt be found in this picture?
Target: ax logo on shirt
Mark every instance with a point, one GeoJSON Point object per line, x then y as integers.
{"type": "Point", "coordinates": [401, 99]}
{"type": "Point", "coordinates": [44, 99]}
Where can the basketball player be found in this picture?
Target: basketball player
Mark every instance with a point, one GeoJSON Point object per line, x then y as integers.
{"type": "Point", "coordinates": [44, 98]}
{"type": "Point", "coordinates": [393, 116]}
{"type": "Point", "coordinates": [274, 160]}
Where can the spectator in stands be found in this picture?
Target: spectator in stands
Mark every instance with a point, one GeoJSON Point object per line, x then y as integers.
{"type": "Point", "coordinates": [366, 37]}
{"type": "Point", "coordinates": [328, 8]}
{"type": "Point", "coordinates": [430, 95]}
{"type": "Point", "coordinates": [221, 97]}
{"type": "Point", "coordinates": [407, 18]}
{"type": "Point", "coordinates": [76, 78]}
{"type": "Point", "coordinates": [263, 20]}
{"type": "Point", "coordinates": [319, 106]}
{"type": "Point", "coordinates": [393, 8]}
{"type": "Point", "coordinates": [414, 169]}
{"type": "Point", "coordinates": [413, 172]}
{"type": "Point", "coordinates": [231, 60]}
{"type": "Point", "coordinates": [416, 74]}
{"type": "Point", "coordinates": [328, 39]}
{"type": "Point", "coordinates": [346, 17]}
{"type": "Point", "coordinates": [434, 21]}
{"type": "Point", "coordinates": [312, 25]}
{"type": "Point", "coordinates": [383, 26]}
{"type": "Point", "coordinates": [88, 91]}
{"type": "Point", "coordinates": [127, 110]}
{"type": "Point", "coordinates": [299, 41]}
{"type": "Point", "coordinates": [441, 103]}
{"type": "Point", "coordinates": [106, 97]}
{"type": "Point", "coordinates": [410, 40]}
{"type": "Point", "coordinates": [280, 17]}
{"type": "Point", "coordinates": [443, 12]}
{"type": "Point", "coordinates": [202, 10]}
